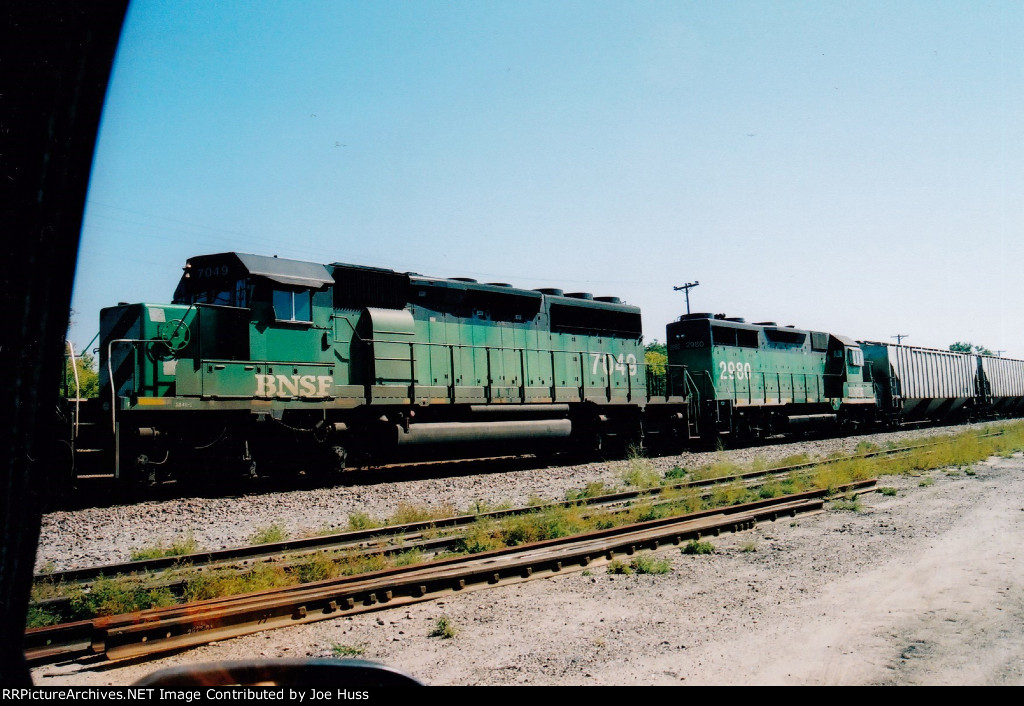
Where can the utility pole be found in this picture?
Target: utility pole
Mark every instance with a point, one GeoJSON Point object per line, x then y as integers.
{"type": "Point", "coordinates": [899, 337]}
{"type": "Point", "coordinates": [999, 354]}
{"type": "Point", "coordinates": [686, 288]}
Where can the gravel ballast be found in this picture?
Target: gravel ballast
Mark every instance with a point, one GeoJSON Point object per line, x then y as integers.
{"type": "Point", "coordinates": [921, 587]}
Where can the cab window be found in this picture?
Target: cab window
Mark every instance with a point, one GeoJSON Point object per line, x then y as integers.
{"type": "Point", "coordinates": [293, 306]}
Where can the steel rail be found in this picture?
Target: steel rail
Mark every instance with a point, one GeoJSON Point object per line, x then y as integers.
{"type": "Point", "coordinates": [372, 537]}
{"type": "Point", "coordinates": [163, 629]}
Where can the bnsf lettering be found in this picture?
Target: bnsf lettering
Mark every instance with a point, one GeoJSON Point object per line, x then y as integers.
{"type": "Point", "coordinates": [293, 385]}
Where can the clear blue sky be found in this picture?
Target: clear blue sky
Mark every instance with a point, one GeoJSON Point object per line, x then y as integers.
{"type": "Point", "coordinates": [856, 167]}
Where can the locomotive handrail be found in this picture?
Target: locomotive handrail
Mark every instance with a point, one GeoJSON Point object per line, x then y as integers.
{"type": "Point", "coordinates": [78, 387]}
{"type": "Point", "coordinates": [110, 371]}
{"type": "Point", "coordinates": [711, 384]}
{"type": "Point", "coordinates": [691, 383]}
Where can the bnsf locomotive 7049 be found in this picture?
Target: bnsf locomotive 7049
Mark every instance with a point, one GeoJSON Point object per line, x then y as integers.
{"type": "Point", "coordinates": [267, 361]}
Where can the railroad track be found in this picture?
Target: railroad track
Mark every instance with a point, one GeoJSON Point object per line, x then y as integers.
{"type": "Point", "coordinates": [91, 636]}
{"type": "Point", "coordinates": [381, 539]}
{"type": "Point", "coordinates": [159, 630]}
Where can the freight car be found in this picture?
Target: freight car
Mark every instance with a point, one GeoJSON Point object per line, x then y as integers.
{"type": "Point", "coordinates": [262, 362]}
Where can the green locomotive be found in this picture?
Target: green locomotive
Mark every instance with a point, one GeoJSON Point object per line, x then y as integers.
{"type": "Point", "coordinates": [263, 358]}
{"type": "Point", "coordinates": [753, 380]}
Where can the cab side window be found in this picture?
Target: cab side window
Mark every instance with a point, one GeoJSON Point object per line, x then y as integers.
{"type": "Point", "coordinates": [290, 305]}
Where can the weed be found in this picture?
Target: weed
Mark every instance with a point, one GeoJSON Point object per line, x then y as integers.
{"type": "Point", "coordinates": [181, 547]}
{"type": "Point", "coordinates": [647, 511]}
{"type": "Point", "coordinates": [618, 567]}
{"type": "Point", "coordinates": [40, 617]}
{"type": "Point", "coordinates": [407, 514]}
{"type": "Point", "coordinates": [232, 583]}
{"type": "Point", "coordinates": [555, 522]}
{"type": "Point", "coordinates": [732, 494]}
{"type": "Point", "coordinates": [587, 572]}
{"type": "Point", "coordinates": [482, 536]}
{"type": "Point", "coordinates": [646, 564]}
{"type": "Point", "coordinates": [865, 447]}
{"type": "Point", "coordinates": [592, 490]}
{"type": "Point", "coordinates": [47, 568]}
{"type": "Point", "coordinates": [795, 460]}
{"type": "Point", "coordinates": [317, 568]}
{"type": "Point", "coordinates": [887, 490]}
{"type": "Point", "coordinates": [269, 535]}
{"type": "Point", "coordinates": [695, 546]}
{"type": "Point", "coordinates": [361, 521]}
{"type": "Point", "coordinates": [749, 546]}
{"type": "Point", "coordinates": [721, 468]}
{"type": "Point", "coordinates": [676, 473]}
{"type": "Point", "coordinates": [338, 650]}
{"type": "Point", "coordinates": [48, 588]}
{"type": "Point", "coordinates": [759, 463]}
{"type": "Point", "coordinates": [970, 471]}
{"type": "Point", "coordinates": [926, 481]}
{"type": "Point", "coordinates": [444, 628]}
{"type": "Point", "coordinates": [408, 558]}
{"type": "Point", "coordinates": [117, 596]}
{"type": "Point", "coordinates": [848, 502]}
{"type": "Point", "coordinates": [640, 473]}
{"type": "Point", "coordinates": [479, 507]}
{"type": "Point", "coordinates": [352, 563]}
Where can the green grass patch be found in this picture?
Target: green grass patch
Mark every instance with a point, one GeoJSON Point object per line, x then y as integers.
{"type": "Point", "coordinates": [676, 473]}
{"type": "Point", "coordinates": [269, 535]}
{"type": "Point", "coordinates": [40, 617]}
{"type": "Point", "coordinates": [232, 583]}
{"type": "Point", "coordinates": [865, 447]}
{"type": "Point", "coordinates": [748, 546]}
{"type": "Point", "coordinates": [409, 557]}
{"type": "Point", "coordinates": [408, 513]}
{"type": "Point", "coordinates": [887, 490]}
{"type": "Point", "coordinates": [696, 547]}
{"type": "Point", "coordinates": [116, 596]}
{"type": "Point", "coordinates": [361, 521]}
{"type": "Point", "coordinates": [591, 490]}
{"type": "Point", "coordinates": [444, 628]}
{"type": "Point", "coordinates": [848, 503]}
{"type": "Point", "coordinates": [619, 568]}
{"type": "Point", "coordinates": [180, 547]}
{"type": "Point", "coordinates": [342, 651]}
{"type": "Point", "coordinates": [926, 481]}
{"type": "Point", "coordinates": [316, 568]}
{"type": "Point", "coordinates": [641, 473]}
{"type": "Point", "coordinates": [646, 564]}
